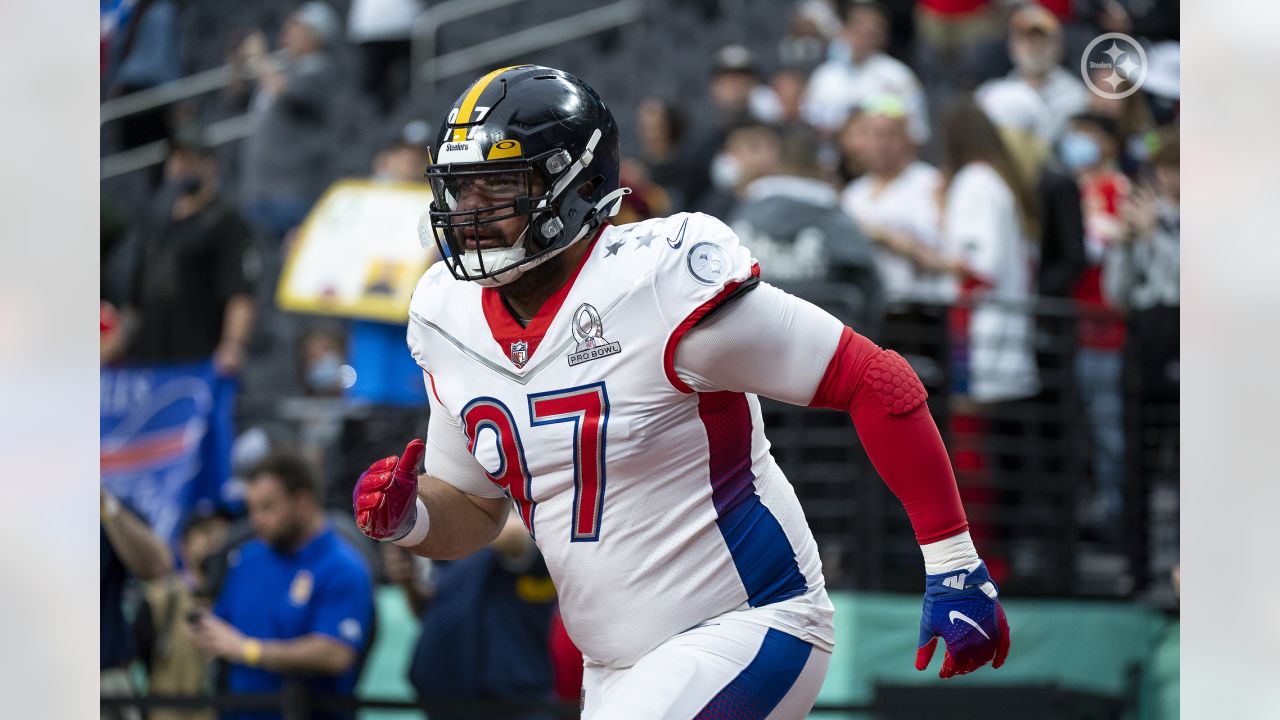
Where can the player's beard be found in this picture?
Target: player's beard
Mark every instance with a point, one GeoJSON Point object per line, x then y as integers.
{"type": "Point", "coordinates": [541, 280]}
{"type": "Point", "coordinates": [289, 536]}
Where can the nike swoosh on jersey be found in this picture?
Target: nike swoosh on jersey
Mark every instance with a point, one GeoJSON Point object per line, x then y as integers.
{"type": "Point", "coordinates": [957, 615]}
{"type": "Point", "coordinates": [675, 244]}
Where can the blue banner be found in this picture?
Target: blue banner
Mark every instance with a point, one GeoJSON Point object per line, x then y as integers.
{"type": "Point", "coordinates": [166, 439]}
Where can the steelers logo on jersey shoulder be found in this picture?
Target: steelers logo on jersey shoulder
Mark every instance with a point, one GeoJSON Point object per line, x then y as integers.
{"type": "Point", "coordinates": [708, 263]}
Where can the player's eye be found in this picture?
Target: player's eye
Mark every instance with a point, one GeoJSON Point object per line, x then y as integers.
{"type": "Point", "coordinates": [501, 184]}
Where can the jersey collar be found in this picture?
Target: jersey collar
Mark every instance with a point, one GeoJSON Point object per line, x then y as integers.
{"type": "Point", "coordinates": [506, 330]}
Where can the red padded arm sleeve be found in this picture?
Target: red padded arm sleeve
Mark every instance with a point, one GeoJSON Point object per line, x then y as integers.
{"type": "Point", "coordinates": [885, 398]}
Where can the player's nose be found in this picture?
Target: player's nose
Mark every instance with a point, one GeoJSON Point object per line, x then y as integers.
{"type": "Point", "coordinates": [469, 199]}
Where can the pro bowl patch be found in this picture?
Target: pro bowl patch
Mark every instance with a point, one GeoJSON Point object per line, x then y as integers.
{"type": "Point", "coordinates": [588, 332]}
{"type": "Point", "coordinates": [708, 263]}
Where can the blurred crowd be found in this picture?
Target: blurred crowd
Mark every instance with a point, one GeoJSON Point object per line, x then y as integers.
{"type": "Point", "coordinates": [939, 166]}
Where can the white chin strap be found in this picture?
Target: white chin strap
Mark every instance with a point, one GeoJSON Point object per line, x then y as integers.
{"type": "Point", "coordinates": [608, 206]}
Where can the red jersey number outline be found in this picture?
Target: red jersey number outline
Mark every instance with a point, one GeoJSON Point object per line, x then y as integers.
{"type": "Point", "coordinates": [587, 407]}
{"type": "Point", "coordinates": [514, 477]}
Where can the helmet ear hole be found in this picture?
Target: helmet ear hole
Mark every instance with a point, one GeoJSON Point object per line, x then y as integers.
{"type": "Point", "coordinates": [587, 190]}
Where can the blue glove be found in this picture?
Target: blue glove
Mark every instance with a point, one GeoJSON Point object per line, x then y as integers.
{"type": "Point", "coordinates": [962, 607]}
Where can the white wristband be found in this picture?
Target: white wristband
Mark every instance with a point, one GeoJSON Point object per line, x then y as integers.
{"type": "Point", "coordinates": [954, 553]}
{"type": "Point", "coordinates": [421, 524]}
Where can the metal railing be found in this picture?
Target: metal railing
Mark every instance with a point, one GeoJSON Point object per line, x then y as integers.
{"type": "Point", "coordinates": [427, 68]}
{"type": "Point", "coordinates": [426, 31]}
{"type": "Point", "coordinates": [191, 86]}
{"type": "Point", "coordinates": [153, 153]}
{"type": "Point", "coordinates": [430, 68]}
{"type": "Point", "coordinates": [184, 88]}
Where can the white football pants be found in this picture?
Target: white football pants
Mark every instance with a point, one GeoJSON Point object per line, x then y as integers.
{"type": "Point", "coordinates": [723, 669]}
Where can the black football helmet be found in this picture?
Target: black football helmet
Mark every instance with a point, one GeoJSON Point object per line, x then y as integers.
{"type": "Point", "coordinates": [525, 141]}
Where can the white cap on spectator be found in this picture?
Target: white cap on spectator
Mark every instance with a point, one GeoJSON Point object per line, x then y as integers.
{"type": "Point", "coordinates": [1013, 105]}
{"type": "Point", "coordinates": [322, 19]}
{"type": "Point", "coordinates": [1163, 69]}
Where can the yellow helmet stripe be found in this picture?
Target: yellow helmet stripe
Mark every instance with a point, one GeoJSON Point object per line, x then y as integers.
{"type": "Point", "coordinates": [472, 97]}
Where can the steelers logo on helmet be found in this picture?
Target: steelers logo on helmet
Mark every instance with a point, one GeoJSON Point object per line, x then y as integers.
{"type": "Point", "coordinates": [527, 143]}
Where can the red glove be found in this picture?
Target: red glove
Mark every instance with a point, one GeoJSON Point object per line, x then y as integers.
{"type": "Point", "coordinates": [386, 495]}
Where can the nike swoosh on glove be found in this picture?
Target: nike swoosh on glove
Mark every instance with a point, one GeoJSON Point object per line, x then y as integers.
{"type": "Point", "coordinates": [962, 608]}
{"type": "Point", "coordinates": [386, 495]}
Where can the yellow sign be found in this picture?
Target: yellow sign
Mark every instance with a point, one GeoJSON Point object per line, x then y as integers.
{"type": "Point", "coordinates": [357, 254]}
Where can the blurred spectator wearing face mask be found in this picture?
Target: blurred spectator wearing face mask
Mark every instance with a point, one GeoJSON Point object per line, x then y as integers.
{"type": "Point", "coordinates": [322, 362]}
{"type": "Point", "coordinates": [193, 273]}
{"type": "Point", "coordinates": [1035, 47]}
{"type": "Point", "coordinates": [1132, 119]}
{"type": "Point", "coordinates": [841, 84]}
{"type": "Point", "coordinates": [749, 151]}
{"type": "Point", "coordinates": [792, 220]}
{"type": "Point", "coordinates": [1090, 150]}
{"type": "Point", "coordinates": [285, 161]}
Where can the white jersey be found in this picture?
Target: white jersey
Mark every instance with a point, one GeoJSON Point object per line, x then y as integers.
{"type": "Point", "coordinates": [656, 507]}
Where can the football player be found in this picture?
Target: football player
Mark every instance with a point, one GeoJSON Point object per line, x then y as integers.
{"type": "Point", "coordinates": [603, 380]}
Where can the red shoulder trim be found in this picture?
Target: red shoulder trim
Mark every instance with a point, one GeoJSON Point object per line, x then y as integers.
{"type": "Point", "coordinates": [669, 353]}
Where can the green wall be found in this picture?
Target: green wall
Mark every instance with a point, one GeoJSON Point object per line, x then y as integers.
{"type": "Point", "coordinates": [1078, 645]}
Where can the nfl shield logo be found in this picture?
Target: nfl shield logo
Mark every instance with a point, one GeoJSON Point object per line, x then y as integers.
{"type": "Point", "coordinates": [520, 353]}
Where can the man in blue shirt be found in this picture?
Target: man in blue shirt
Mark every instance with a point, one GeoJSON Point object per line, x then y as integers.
{"type": "Point", "coordinates": [297, 600]}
